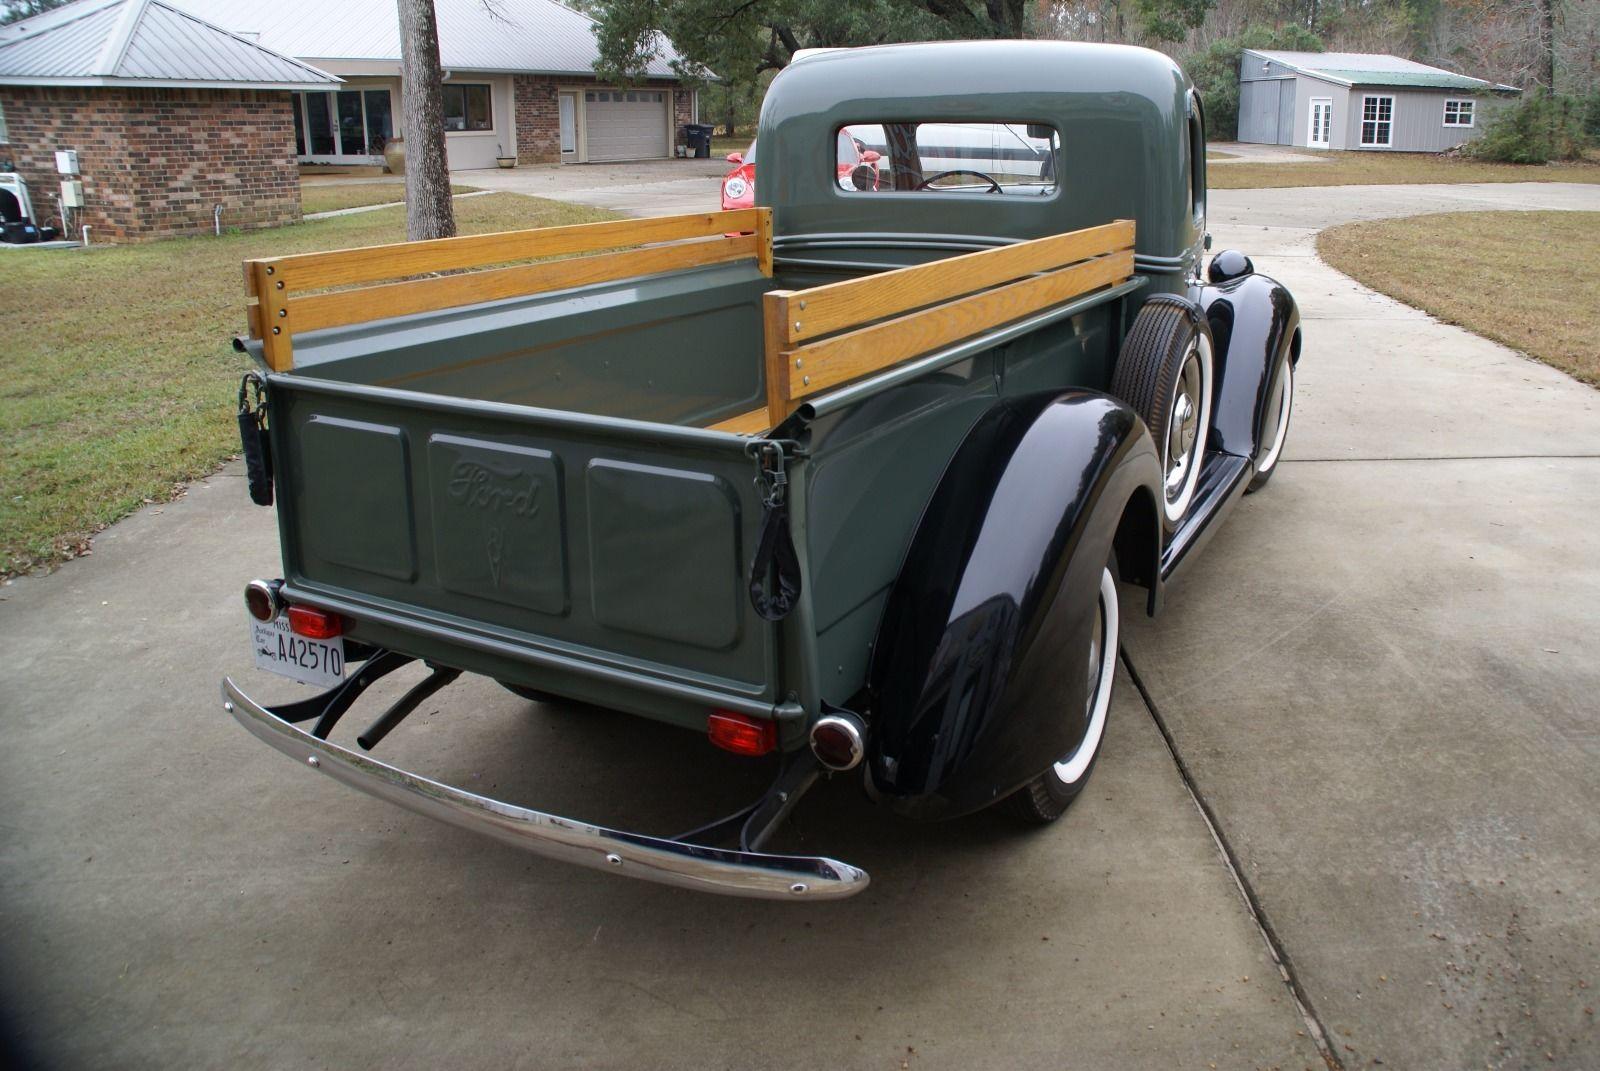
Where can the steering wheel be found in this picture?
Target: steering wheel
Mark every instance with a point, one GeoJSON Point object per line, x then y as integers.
{"type": "Point", "coordinates": [994, 186]}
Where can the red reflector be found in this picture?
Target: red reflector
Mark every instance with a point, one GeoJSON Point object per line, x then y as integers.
{"type": "Point", "coordinates": [314, 624]}
{"type": "Point", "coordinates": [742, 735]}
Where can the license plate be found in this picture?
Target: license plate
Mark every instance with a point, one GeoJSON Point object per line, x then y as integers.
{"type": "Point", "coordinates": [307, 661]}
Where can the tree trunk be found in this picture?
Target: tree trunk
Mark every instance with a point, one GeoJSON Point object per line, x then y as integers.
{"type": "Point", "coordinates": [429, 212]}
{"type": "Point", "coordinates": [1546, 74]}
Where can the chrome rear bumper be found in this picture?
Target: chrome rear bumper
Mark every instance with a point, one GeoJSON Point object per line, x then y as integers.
{"type": "Point", "coordinates": [690, 866]}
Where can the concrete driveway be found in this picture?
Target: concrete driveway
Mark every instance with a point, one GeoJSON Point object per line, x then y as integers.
{"type": "Point", "coordinates": [1379, 683]}
{"type": "Point", "coordinates": [1382, 676]}
{"type": "Point", "coordinates": [644, 187]}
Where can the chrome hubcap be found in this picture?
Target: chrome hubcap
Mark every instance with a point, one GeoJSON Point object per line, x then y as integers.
{"type": "Point", "coordinates": [1183, 426]}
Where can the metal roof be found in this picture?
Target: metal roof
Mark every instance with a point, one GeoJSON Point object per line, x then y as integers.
{"type": "Point", "coordinates": [523, 36]}
{"type": "Point", "coordinates": [141, 43]}
{"type": "Point", "coordinates": [1373, 69]}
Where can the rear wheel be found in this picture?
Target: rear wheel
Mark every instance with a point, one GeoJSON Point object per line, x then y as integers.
{"type": "Point", "coordinates": [1047, 797]}
{"type": "Point", "coordinates": [1165, 373]}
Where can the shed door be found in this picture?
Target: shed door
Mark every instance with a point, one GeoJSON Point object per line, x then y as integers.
{"type": "Point", "coordinates": [1321, 122]}
{"type": "Point", "coordinates": [1286, 100]}
{"type": "Point", "coordinates": [625, 124]}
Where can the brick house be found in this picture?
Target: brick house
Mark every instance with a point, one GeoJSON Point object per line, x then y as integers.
{"type": "Point", "coordinates": [519, 81]}
{"type": "Point", "coordinates": [170, 117]}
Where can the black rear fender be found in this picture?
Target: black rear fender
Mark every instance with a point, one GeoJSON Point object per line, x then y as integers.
{"type": "Point", "coordinates": [1253, 321]}
{"type": "Point", "coordinates": [977, 678]}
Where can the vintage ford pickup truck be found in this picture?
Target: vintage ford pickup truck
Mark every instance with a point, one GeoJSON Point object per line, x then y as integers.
{"type": "Point", "coordinates": [846, 479]}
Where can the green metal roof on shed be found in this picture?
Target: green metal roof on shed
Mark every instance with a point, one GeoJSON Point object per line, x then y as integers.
{"type": "Point", "coordinates": [1375, 69]}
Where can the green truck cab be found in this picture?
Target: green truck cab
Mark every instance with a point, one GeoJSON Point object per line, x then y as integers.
{"type": "Point", "coordinates": [846, 479]}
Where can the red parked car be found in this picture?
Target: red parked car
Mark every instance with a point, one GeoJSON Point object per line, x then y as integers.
{"type": "Point", "coordinates": [857, 166]}
{"type": "Point", "coordinates": [739, 185]}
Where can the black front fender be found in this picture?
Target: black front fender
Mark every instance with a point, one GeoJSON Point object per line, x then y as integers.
{"type": "Point", "coordinates": [1253, 320]}
{"type": "Point", "coordinates": [979, 676]}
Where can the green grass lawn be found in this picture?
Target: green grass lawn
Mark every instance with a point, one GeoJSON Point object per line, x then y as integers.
{"type": "Point", "coordinates": [1392, 168]}
{"type": "Point", "coordinates": [117, 377]}
{"type": "Point", "coordinates": [722, 145]}
{"type": "Point", "coordinates": [330, 196]}
{"type": "Point", "coordinates": [1445, 265]}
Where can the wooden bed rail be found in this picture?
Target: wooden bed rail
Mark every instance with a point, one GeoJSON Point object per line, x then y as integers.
{"type": "Point", "coordinates": [283, 300]}
{"type": "Point", "coordinates": [815, 339]}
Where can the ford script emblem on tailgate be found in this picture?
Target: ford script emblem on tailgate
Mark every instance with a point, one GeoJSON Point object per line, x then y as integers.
{"type": "Point", "coordinates": [476, 484]}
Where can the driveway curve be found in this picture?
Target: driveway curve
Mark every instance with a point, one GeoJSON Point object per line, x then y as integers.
{"type": "Point", "coordinates": [1382, 675]}
{"type": "Point", "coordinates": [1379, 680]}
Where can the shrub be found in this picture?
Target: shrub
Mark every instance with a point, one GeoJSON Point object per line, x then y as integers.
{"type": "Point", "coordinates": [1215, 72]}
{"type": "Point", "coordinates": [1591, 117]}
{"type": "Point", "coordinates": [1535, 130]}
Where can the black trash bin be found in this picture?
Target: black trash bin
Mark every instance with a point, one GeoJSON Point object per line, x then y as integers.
{"type": "Point", "coordinates": [698, 137]}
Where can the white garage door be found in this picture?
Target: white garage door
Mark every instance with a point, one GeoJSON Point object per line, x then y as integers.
{"type": "Point", "coordinates": [625, 124]}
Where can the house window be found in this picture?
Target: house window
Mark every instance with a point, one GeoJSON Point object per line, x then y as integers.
{"type": "Point", "coordinates": [466, 107]}
{"type": "Point", "coordinates": [4, 137]}
{"type": "Point", "coordinates": [349, 122]}
{"type": "Point", "coordinates": [319, 125]}
{"type": "Point", "coordinates": [380, 119]}
{"type": "Point", "coordinates": [1458, 113]}
{"type": "Point", "coordinates": [1377, 121]}
{"type": "Point", "coordinates": [351, 136]}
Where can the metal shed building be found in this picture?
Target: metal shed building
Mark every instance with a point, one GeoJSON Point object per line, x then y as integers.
{"type": "Point", "coordinates": [1354, 100]}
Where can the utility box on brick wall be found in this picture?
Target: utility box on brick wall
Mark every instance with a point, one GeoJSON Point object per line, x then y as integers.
{"type": "Point", "coordinates": [66, 161]}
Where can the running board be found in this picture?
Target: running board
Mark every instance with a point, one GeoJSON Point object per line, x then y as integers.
{"type": "Point", "coordinates": [1223, 478]}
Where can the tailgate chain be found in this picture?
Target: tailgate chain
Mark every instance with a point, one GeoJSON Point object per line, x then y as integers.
{"type": "Point", "coordinates": [775, 571]}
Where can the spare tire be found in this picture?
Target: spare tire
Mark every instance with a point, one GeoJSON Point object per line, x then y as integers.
{"type": "Point", "coordinates": [1165, 372]}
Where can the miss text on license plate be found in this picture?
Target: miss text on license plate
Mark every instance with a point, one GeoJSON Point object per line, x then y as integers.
{"type": "Point", "coordinates": [307, 661]}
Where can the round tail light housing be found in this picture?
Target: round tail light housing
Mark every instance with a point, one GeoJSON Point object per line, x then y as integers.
{"type": "Point", "coordinates": [837, 741]}
{"type": "Point", "coordinates": [262, 599]}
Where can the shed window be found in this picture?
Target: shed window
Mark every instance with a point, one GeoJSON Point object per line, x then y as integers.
{"type": "Point", "coordinates": [1377, 120]}
{"type": "Point", "coordinates": [967, 158]}
{"type": "Point", "coordinates": [1458, 113]}
{"type": "Point", "coordinates": [466, 107]}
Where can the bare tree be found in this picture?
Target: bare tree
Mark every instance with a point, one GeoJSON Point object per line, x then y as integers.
{"type": "Point", "coordinates": [429, 211]}
{"type": "Point", "coordinates": [1546, 75]}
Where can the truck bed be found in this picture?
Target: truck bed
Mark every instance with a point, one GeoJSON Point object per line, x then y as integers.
{"type": "Point", "coordinates": [531, 486]}
{"type": "Point", "coordinates": [680, 348]}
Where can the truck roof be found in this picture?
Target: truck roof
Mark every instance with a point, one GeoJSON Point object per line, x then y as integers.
{"type": "Point", "coordinates": [1122, 113]}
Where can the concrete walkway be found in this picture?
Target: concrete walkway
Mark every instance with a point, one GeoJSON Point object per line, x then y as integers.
{"type": "Point", "coordinates": [1247, 153]}
{"type": "Point", "coordinates": [1379, 678]}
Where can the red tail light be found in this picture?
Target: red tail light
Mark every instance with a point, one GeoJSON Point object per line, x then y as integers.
{"type": "Point", "coordinates": [741, 734]}
{"type": "Point", "coordinates": [314, 624]}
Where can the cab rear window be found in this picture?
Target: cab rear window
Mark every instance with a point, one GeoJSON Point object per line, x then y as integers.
{"type": "Point", "coordinates": [968, 158]}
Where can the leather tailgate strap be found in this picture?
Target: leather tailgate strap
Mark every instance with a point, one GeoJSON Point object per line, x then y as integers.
{"type": "Point", "coordinates": [775, 570]}
{"type": "Point", "coordinates": [253, 441]}
{"type": "Point", "coordinates": [775, 563]}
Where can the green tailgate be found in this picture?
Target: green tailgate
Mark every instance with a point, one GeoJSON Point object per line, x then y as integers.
{"type": "Point", "coordinates": [589, 556]}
